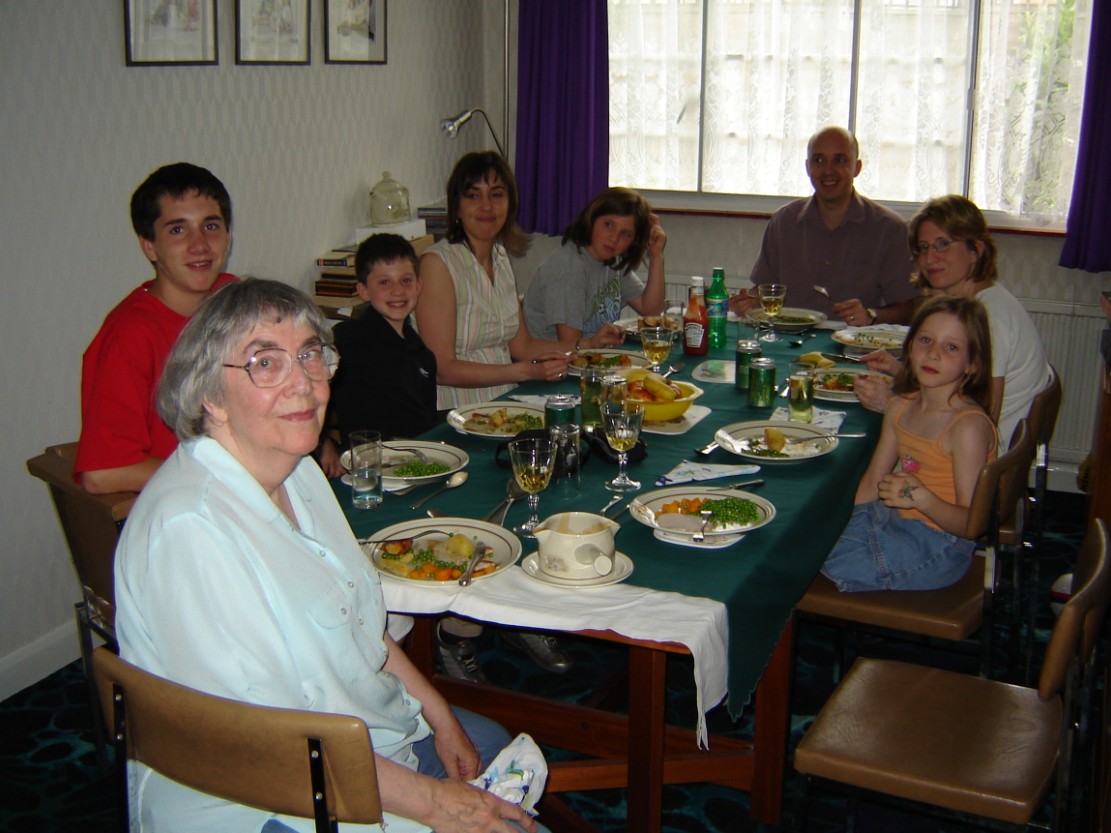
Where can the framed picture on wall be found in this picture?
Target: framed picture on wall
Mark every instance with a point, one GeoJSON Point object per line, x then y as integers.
{"type": "Point", "coordinates": [354, 31]}
{"type": "Point", "coordinates": [272, 31]}
{"type": "Point", "coordinates": [160, 32]}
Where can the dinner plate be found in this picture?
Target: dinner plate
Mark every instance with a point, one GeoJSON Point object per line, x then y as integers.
{"type": "Point", "coordinates": [858, 341]}
{"type": "Point", "coordinates": [646, 510]}
{"type": "Point", "coordinates": [739, 437]}
{"type": "Point", "coordinates": [790, 319]}
{"type": "Point", "coordinates": [398, 453]}
{"type": "Point", "coordinates": [622, 569]}
{"type": "Point", "coordinates": [631, 325]}
{"type": "Point", "coordinates": [461, 419]}
{"type": "Point", "coordinates": [828, 395]}
{"type": "Point", "coordinates": [505, 546]}
{"type": "Point", "coordinates": [635, 360]}
{"type": "Point", "coordinates": [718, 542]}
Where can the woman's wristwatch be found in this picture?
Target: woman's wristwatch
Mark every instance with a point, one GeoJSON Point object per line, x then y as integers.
{"type": "Point", "coordinates": [872, 314]}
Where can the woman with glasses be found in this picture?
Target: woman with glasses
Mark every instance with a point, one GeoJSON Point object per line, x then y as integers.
{"type": "Point", "coordinates": [955, 255]}
{"type": "Point", "coordinates": [238, 575]}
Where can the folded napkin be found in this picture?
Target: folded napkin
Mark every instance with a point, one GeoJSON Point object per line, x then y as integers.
{"type": "Point", "coordinates": [517, 775]}
{"type": "Point", "coordinates": [830, 420]}
{"type": "Point", "coordinates": [689, 470]}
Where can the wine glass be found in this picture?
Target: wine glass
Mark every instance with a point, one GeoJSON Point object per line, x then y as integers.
{"type": "Point", "coordinates": [622, 421]}
{"type": "Point", "coordinates": [655, 342]}
{"type": "Point", "coordinates": [532, 462]}
{"type": "Point", "coordinates": [772, 296]}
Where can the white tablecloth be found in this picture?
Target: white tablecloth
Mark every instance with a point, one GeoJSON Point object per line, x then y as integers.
{"type": "Point", "coordinates": [513, 598]}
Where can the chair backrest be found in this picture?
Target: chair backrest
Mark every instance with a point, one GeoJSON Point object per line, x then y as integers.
{"type": "Point", "coordinates": [91, 524]}
{"type": "Point", "coordinates": [254, 755]}
{"type": "Point", "coordinates": [1076, 631]}
{"type": "Point", "coordinates": [999, 485]}
{"type": "Point", "coordinates": [1044, 408]}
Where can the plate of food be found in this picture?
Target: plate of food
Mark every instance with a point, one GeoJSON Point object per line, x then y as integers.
{"type": "Point", "coordinates": [496, 420]}
{"type": "Point", "coordinates": [775, 442]}
{"type": "Point", "coordinates": [790, 319]}
{"type": "Point", "coordinates": [435, 551]}
{"type": "Point", "coordinates": [676, 512]}
{"type": "Point", "coordinates": [858, 341]}
{"type": "Point", "coordinates": [837, 385]}
{"type": "Point", "coordinates": [415, 462]}
{"type": "Point", "coordinates": [633, 325]}
{"type": "Point", "coordinates": [611, 359]}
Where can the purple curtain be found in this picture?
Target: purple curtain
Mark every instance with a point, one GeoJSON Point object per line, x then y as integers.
{"type": "Point", "coordinates": [562, 110]}
{"type": "Point", "coordinates": [1088, 231]}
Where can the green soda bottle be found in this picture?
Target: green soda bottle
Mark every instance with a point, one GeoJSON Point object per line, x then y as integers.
{"type": "Point", "coordinates": [717, 308]}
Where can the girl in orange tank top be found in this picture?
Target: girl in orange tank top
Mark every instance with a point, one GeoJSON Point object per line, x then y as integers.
{"type": "Point", "coordinates": [912, 502]}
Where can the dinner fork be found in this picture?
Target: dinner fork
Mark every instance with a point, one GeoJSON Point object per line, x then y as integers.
{"type": "Point", "coordinates": [700, 536]}
{"type": "Point", "coordinates": [793, 440]}
{"type": "Point", "coordinates": [406, 538]}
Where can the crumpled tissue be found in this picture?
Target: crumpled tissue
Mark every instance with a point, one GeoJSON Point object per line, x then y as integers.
{"type": "Point", "coordinates": [689, 470]}
{"type": "Point", "coordinates": [518, 774]}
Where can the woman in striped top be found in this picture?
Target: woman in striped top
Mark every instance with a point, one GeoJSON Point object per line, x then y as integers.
{"type": "Point", "coordinates": [469, 313]}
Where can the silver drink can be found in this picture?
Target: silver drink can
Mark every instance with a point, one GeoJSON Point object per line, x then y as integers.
{"type": "Point", "coordinates": [747, 350]}
{"type": "Point", "coordinates": [761, 382]}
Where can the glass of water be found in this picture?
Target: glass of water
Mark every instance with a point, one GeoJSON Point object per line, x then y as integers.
{"type": "Point", "coordinates": [365, 470]}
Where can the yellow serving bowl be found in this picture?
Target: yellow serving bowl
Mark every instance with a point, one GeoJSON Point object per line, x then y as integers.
{"type": "Point", "coordinates": [664, 411]}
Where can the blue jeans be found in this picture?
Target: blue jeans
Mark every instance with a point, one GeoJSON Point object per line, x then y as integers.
{"type": "Point", "coordinates": [881, 550]}
{"type": "Point", "coordinates": [488, 737]}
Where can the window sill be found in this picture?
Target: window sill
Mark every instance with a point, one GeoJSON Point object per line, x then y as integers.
{"type": "Point", "coordinates": [749, 206]}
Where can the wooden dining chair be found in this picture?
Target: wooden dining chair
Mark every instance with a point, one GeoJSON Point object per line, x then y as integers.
{"type": "Point", "coordinates": [91, 525]}
{"type": "Point", "coordinates": [296, 763]}
{"type": "Point", "coordinates": [957, 743]}
{"type": "Point", "coordinates": [951, 614]}
{"type": "Point", "coordinates": [1042, 417]}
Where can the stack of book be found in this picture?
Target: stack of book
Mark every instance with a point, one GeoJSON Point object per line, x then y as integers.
{"type": "Point", "coordinates": [435, 219]}
{"type": "Point", "coordinates": [337, 273]}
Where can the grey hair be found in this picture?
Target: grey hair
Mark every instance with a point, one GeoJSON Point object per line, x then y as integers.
{"type": "Point", "coordinates": [194, 370]}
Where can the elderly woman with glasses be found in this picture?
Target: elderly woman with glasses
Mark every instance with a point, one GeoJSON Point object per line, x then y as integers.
{"type": "Point", "coordinates": [237, 575]}
{"type": "Point", "coordinates": [956, 255]}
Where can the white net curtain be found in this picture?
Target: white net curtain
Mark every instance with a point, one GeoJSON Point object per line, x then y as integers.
{"type": "Point", "coordinates": [720, 96]}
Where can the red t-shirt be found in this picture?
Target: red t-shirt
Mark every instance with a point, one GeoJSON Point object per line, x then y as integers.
{"type": "Point", "coordinates": [120, 370]}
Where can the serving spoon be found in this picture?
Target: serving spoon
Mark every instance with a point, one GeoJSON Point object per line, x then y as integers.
{"type": "Point", "coordinates": [457, 479]}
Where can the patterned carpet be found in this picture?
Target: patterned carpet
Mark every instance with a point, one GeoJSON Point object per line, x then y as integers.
{"type": "Point", "coordinates": [52, 782]}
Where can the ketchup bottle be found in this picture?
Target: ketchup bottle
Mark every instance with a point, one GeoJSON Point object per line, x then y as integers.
{"type": "Point", "coordinates": [696, 321]}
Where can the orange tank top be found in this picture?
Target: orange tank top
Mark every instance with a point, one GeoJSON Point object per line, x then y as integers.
{"type": "Point", "coordinates": [935, 463]}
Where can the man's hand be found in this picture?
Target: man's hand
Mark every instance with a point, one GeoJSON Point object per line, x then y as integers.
{"type": "Point", "coordinates": [852, 312]}
{"type": "Point", "coordinates": [742, 302]}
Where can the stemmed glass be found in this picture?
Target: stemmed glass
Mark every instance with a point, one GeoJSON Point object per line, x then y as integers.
{"type": "Point", "coordinates": [772, 296]}
{"type": "Point", "coordinates": [655, 342]}
{"type": "Point", "coordinates": [622, 421]}
{"type": "Point", "coordinates": [532, 462]}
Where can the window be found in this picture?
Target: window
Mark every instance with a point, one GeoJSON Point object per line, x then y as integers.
{"type": "Point", "coordinates": [977, 97]}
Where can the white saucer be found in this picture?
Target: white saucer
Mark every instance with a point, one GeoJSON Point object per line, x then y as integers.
{"type": "Point", "coordinates": [712, 542]}
{"type": "Point", "coordinates": [622, 569]}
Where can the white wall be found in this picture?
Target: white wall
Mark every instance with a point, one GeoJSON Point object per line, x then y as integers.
{"type": "Point", "coordinates": [298, 147]}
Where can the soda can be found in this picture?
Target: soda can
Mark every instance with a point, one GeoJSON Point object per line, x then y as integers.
{"type": "Point", "coordinates": [747, 350]}
{"type": "Point", "coordinates": [559, 409]}
{"type": "Point", "coordinates": [761, 382]}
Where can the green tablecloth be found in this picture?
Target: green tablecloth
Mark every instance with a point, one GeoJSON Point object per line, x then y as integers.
{"type": "Point", "coordinates": [758, 579]}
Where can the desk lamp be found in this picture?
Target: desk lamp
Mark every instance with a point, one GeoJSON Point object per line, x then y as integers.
{"type": "Point", "coordinates": [450, 126]}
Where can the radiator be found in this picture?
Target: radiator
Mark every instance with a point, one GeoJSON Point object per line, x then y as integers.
{"type": "Point", "coordinates": [1070, 333]}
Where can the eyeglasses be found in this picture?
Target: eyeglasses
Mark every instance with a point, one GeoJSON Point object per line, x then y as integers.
{"type": "Point", "coordinates": [939, 246]}
{"type": "Point", "coordinates": [270, 367]}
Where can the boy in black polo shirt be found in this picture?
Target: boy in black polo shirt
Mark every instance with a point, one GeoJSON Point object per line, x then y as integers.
{"type": "Point", "coordinates": [387, 377]}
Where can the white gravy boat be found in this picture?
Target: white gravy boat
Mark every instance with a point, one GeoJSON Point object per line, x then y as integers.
{"type": "Point", "coordinates": [576, 545]}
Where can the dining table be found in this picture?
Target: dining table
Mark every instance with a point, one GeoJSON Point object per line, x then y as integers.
{"type": "Point", "coordinates": [731, 609]}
